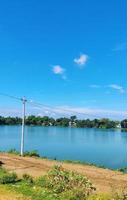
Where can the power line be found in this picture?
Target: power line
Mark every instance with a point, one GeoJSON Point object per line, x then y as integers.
{"type": "Point", "coordinates": [57, 109]}
{"type": "Point", "coordinates": [10, 96]}
{"type": "Point", "coordinates": [40, 105]}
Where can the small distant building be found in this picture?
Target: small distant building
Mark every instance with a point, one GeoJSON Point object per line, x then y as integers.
{"type": "Point", "coordinates": [72, 124]}
{"type": "Point", "coordinates": [118, 125]}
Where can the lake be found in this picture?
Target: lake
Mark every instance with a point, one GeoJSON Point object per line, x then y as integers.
{"type": "Point", "coordinates": [101, 147]}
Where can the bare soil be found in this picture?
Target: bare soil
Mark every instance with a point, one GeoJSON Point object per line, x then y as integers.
{"type": "Point", "coordinates": [104, 180]}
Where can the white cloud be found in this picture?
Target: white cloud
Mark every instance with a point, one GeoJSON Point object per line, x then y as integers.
{"type": "Point", "coordinates": [82, 60]}
{"type": "Point", "coordinates": [94, 112]}
{"type": "Point", "coordinates": [112, 86]}
{"type": "Point", "coordinates": [60, 111]}
{"type": "Point", "coordinates": [57, 69]}
{"type": "Point", "coordinates": [8, 111]}
{"type": "Point", "coordinates": [81, 112]}
{"type": "Point", "coordinates": [117, 87]}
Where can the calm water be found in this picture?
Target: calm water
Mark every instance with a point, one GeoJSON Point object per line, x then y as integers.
{"type": "Point", "coordinates": [102, 147]}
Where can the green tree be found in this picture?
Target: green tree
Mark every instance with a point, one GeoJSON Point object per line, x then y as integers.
{"type": "Point", "coordinates": [124, 123]}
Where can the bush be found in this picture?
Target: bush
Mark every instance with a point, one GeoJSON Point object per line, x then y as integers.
{"type": "Point", "coordinates": [6, 178]}
{"type": "Point", "coordinates": [61, 181]}
{"type": "Point", "coordinates": [13, 151]}
{"type": "Point", "coordinates": [27, 178]}
{"type": "Point", "coordinates": [123, 170]}
{"type": "Point", "coordinates": [33, 153]}
{"type": "Point", "coordinates": [1, 163]}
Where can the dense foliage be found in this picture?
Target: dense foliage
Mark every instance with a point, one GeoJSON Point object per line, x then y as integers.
{"type": "Point", "coordinates": [64, 122]}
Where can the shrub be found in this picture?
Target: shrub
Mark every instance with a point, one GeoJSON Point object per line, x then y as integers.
{"type": "Point", "coordinates": [61, 181]}
{"type": "Point", "coordinates": [28, 178]}
{"type": "Point", "coordinates": [8, 178]}
{"type": "Point", "coordinates": [13, 151]}
{"type": "Point", "coordinates": [123, 170]}
{"type": "Point", "coordinates": [33, 153]}
{"type": "Point", "coordinates": [1, 163]}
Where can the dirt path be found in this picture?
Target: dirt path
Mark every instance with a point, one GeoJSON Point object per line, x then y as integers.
{"type": "Point", "coordinates": [104, 180]}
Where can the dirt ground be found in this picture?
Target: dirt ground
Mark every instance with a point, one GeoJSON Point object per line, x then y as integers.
{"type": "Point", "coordinates": [104, 180]}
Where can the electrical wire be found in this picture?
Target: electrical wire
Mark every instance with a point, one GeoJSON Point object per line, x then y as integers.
{"type": "Point", "coordinates": [48, 107]}
{"type": "Point", "coordinates": [10, 96]}
{"type": "Point", "coordinates": [57, 109]}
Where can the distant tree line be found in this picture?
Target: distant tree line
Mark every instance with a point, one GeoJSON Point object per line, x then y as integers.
{"type": "Point", "coordinates": [10, 120]}
{"type": "Point", "coordinates": [124, 124]}
{"type": "Point", "coordinates": [65, 122]}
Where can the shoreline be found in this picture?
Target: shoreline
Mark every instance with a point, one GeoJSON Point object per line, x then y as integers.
{"type": "Point", "coordinates": [35, 154]}
{"type": "Point", "coordinates": [101, 178]}
{"type": "Point", "coordinates": [72, 127]}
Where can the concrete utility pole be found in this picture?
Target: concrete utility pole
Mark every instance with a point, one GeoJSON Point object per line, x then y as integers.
{"type": "Point", "coordinates": [23, 125]}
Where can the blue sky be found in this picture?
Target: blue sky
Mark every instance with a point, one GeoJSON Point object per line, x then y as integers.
{"type": "Point", "coordinates": [65, 53]}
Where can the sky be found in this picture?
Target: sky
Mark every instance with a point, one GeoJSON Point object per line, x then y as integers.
{"type": "Point", "coordinates": [68, 54]}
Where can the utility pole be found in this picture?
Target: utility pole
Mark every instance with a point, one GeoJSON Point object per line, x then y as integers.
{"type": "Point", "coordinates": [23, 125]}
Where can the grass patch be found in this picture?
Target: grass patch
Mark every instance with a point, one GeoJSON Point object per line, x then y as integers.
{"type": "Point", "coordinates": [13, 151]}
{"type": "Point", "coordinates": [6, 177]}
{"type": "Point", "coordinates": [32, 153]}
{"type": "Point", "coordinates": [8, 194]}
{"type": "Point", "coordinates": [83, 163]}
{"type": "Point", "coordinates": [58, 184]}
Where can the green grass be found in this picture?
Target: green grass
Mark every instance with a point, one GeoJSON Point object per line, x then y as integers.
{"type": "Point", "coordinates": [83, 163]}
{"type": "Point", "coordinates": [6, 177]}
{"type": "Point", "coordinates": [32, 153]}
{"type": "Point", "coordinates": [57, 184]}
